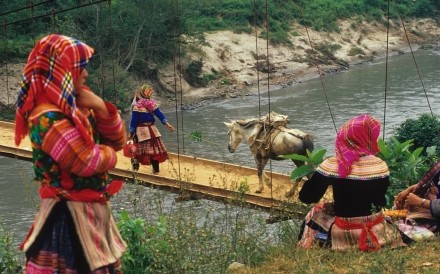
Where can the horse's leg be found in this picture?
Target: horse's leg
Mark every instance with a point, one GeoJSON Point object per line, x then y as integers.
{"type": "Point", "coordinates": [266, 178]}
{"type": "Point", "coordinates": [292, 190]}
{"type": "Point", "coordinates": [258, 161]}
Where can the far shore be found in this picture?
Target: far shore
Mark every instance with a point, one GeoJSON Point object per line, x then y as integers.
{"type": "Point", "coordinates": [303, 76]}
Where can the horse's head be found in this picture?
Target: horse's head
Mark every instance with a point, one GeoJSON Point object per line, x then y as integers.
{"type": "Point", "coordinates": [240, 130]}
{"type": "Point", "coordinates": [234, 134]}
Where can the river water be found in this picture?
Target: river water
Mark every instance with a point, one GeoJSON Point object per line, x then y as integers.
{"type": "Point", "coordinates": [359, 90]}
{"type": "Point", "coordinates": [356, 91]}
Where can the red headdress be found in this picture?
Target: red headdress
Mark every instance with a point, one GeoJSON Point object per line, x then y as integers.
{"type": "Point", "coordinates": [49, 75]}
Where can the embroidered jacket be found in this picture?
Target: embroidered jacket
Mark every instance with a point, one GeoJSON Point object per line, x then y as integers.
{"type": "Point", "coordinates": [62, 160]}
{"type": "Point", "coordinates": [355, 195]}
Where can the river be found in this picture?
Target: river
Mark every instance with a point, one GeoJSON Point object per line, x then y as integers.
{"type": "Point", "coordinates": [358, 90]}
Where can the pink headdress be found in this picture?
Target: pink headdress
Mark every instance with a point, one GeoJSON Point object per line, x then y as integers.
{"type": "Point", "coordinates": [356, 138]}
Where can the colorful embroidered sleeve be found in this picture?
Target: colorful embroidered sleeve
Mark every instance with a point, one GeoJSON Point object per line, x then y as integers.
{"type": "Point", "coordinates": [160, 115]}
{"type": "Point", "coordinates": [111, 130]}
{"type": "Point", "coordinates": [65, 144]}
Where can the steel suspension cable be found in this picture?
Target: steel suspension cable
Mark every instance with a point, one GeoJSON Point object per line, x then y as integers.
{"type": "Point", "coordinates": [179, 54]}
{"type": "Point", "coordinates": [268, 93]}
{"type": "Point", "coordinates": [112, 44]}
{"type": "Point", "coordinates": [6, 63]}
{"type": "Point", "coordinates": [175, 89]}
{"type": "Point", "coordinates": [256, 54]}
{"type": "Point", "coordinates": [53, 12]}
{"type": "Point", "coordinates": [414, 59]}
{"type": "Point", "coordinates": [386, 70]}
{"type": "Point", "coordinates": [31, 4]}
{"type": "Point", "coordinates": [319, 72]}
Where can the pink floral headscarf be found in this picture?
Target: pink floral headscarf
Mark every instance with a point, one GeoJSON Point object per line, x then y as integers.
{"type": "Point", "coordinates": [356, 138]}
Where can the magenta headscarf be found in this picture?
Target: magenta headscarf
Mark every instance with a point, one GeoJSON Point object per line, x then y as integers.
{"type": "Point", "coordinates": [356, 138]}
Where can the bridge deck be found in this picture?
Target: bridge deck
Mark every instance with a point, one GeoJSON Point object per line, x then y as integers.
{"type": "Point", "coordinates": [184, 174]}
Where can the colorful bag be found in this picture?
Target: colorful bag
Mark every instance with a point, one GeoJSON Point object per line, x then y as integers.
{"type": "Point", "coordinates": [129, 150]}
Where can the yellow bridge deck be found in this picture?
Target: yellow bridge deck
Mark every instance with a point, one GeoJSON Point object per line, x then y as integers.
{"type": "Point", "coordinates": [191, 176]}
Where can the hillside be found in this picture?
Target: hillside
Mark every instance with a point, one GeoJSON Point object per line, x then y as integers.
{"type": "Point", "coordinates": [234, 55]}
{"type": "Point", "coordinates": [234, 59]}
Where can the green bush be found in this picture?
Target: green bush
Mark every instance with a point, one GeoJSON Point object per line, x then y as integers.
{"type": "Point", "coordinates": [137, 258]}
{"type": "Point", "coordinates": [424, 131]}
{"type": "Point", "coordinates": [9, 257]}
{"type": "Point", "coordinates": [406, 166]}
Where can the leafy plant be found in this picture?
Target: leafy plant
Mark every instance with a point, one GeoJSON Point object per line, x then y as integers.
{"type": "Point", "coordinates": [424, 131]}
{"type": "Point", "coordinates": [9, 258]}
{"type": "Point", "coordinates": [137, 258]}
{"type": "Point", "coordinates": [196, 136]}
{"type": "Point", "coordinates": [311, 161]}
{"type": "Point", "coordinates": [406, 166]}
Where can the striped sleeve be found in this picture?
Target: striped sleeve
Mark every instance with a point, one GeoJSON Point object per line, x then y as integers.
{"type": "Point", "coordinates": [111, 129]}
{"type": "Point", "coordinates": [65, 144]}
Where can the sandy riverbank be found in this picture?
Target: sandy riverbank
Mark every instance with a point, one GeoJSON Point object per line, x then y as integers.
{"type": "Point", "coordinates": [241, 60]}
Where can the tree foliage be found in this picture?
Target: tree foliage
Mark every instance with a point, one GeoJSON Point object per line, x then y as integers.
{"type": "Point", "coordinates": [136, 37]}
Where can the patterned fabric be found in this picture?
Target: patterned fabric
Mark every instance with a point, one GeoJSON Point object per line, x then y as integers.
{"type": "Point", "coordinates": [365, 168]}
{"type": "Point", "coordinates": [151, 149]}
{"type": "Point", "coordinates": [49, 75]}
{"type": "Point", "coordinates": [148, 104]}
{"type": "Point", "coordinates": [355, 138]}
{"type": "Point", "coordinates": [62, 159]}
{"type": "Point", "coordinates": [62, 244]}
{"type": "Point", "coordinates": [430, 179]}
{"type": "Point", "coordinates": [140, 116]}
{"type": "Point", "coordinates": [365, 233]}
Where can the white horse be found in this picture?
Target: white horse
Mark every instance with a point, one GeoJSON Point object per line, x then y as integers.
{"type": "Point", "coordinates": [268, 144]}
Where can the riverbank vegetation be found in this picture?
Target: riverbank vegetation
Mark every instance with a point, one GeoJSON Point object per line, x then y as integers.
{"type": "Point", "coordinates": [136, 41]}
{"type": "Point", "coordinates": [202, 236]}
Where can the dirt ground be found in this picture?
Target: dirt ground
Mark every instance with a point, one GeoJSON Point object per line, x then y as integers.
{"type": "Point", "coordinates": [235, 57]}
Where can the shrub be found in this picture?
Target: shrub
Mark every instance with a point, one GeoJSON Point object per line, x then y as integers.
{"type": "Point", "coordinates": [9, 258]}
{"type": "Point", "coordinates": [424, 131]}
{"type": "Point", "coordinates": [406, 166]}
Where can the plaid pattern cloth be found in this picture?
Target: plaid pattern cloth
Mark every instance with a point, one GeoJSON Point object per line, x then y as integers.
{"type": "Point", "coordinates": [151, 149]}
{"type": "Point", "coordinates": [74, 239]}
{"type": "Point", "coordinates": [366, 233]}
{"type": "Point", "coordinates": [355, 138]}
{"type": "Point", "coordinates": [49, 75]}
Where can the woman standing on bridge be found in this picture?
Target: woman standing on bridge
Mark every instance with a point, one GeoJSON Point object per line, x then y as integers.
{"type": "Point", "coordinates": [354, 220]}
{"type": "Point", "coordinates": [150, 149]}
{"type": "Point", "coordinates": [74, 136]}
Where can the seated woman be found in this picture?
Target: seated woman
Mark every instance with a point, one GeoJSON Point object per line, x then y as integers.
{"type": "Point", "coordinates": [423, 200]}
{"type": "Point", "coordinates": [354, 220]}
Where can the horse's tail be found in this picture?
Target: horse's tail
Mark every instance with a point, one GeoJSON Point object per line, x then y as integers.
{"type": "Point", "coordinates": [308, 142]}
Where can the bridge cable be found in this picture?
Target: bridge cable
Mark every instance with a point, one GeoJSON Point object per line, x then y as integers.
{"type": "Point", "coordinates": [179, 65]}
{"type": "Point", "coordinates": [31, 4]}
{"type": "Point", "coordinates": [257, 57]}
{"type": "Point", "coordinates": [52, 12]}
{"type": "Point", "coordinates": [414, 59]}
{"type": "Point", "coordinates": [268, 94]}
{"type": "Point", "coordinates": [319, 71]}
{"type": "Point", "coordinates": [112, 41]}
{"type": "Point", "coordinates": [174, 11]}
{"type": "Point", "coordinates": [386, 70]}
{"type": "Point", "coordinates": [6, 63]}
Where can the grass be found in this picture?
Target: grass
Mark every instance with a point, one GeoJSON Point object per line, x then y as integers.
{"type": "Point", "coordinates": [417, 258]}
